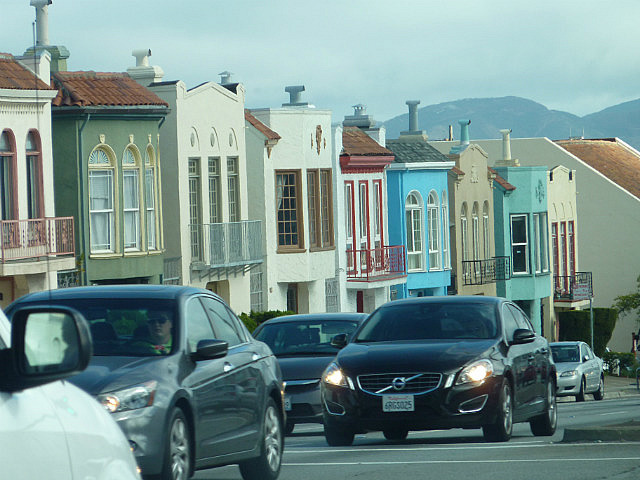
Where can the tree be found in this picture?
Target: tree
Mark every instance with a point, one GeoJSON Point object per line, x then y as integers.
{"type": "Point", "coordinates": [629, 303]}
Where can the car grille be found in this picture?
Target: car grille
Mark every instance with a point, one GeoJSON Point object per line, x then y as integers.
{"type": "Point", "coordinates": [415, 383]}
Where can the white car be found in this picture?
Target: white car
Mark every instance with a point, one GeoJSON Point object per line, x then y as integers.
{"type": "Point", "coordinates": [579, 371]}
{"type": "Point", "coordinates": [48, 427]}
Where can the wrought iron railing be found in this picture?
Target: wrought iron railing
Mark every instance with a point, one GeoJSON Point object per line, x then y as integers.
{"type": "Point", "coordinates": [227, 244]}
{"type": "Point", "coordinates": [376, 263]}
{"type": "Point", "coordinates": [573, 287]}
{"type": "Point", "coordinates": [172, 274]}
{"type": "Point", "coordinates": [34, 238]}
{"type": "Point", "coordinates": [481, 272]}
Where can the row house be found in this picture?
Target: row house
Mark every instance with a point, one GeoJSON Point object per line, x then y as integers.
{"type": "Point", "coordinates": [291, 185]}
{"type": "Point", "coordinates": [369, 265]}
{"type": "Point", "coordinates": [418, 206]}
{"type": "Point", "coordinates": [35, 244]}
{"type": "Point", "coordinates": [209, 241]}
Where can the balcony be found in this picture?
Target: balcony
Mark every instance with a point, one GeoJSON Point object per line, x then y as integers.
{"type": "Point", "coordinates": [572, 288]}
{"type": "Point", "coordinates": [225, 248]}
{"type": "Point", "coordinates": [24, 240]}
{"type": "Point", "coordinates": [481, 272]}
{"type": "Point", "coordinates": [376, 264]}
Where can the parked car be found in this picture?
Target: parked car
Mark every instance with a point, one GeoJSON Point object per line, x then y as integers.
{"type": "Point", "coordinates": [181, 375]}
{"type": "Point", "coordinates": [302, 345]}
{"type": "Point", "coordinates": [580, 372]}
{"type": "Point", "coordinates": [49, 427]}
{"type": "Point", "coordinates": [437, 363]}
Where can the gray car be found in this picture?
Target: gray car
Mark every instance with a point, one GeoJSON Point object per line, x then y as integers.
{"type": "Point", "coordinates": [182, 377]}
{"type": "Point", "coordinates": [580, 372]}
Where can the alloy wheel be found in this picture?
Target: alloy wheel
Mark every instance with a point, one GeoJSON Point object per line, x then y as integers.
{"type": "Point", "coordinates": [179, 450]}
{"type": "Point", "coordinates": [272, 438]}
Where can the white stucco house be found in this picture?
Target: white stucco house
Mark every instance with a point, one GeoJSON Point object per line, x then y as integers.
{"type": "Point", "coordinates": [290, 180]}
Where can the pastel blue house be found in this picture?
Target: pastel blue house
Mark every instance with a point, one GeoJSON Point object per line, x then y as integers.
{"type": "Point", "coordinates": [521, 233]}
{"type": "Point", "coordinates": [418, 211]}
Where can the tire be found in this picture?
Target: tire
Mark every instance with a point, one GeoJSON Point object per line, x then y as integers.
{"type": "Point", "coordinates": [396, 434]}
{"type": "Point", "coordinates": [267, 465]}
{"type": "Point", "coordinates": [599, 394]}
{"type": "Point", "coordinates": [338, 436]}
{"type": "Point", "coordinates": [580, 395]}
{"type": "Point", "coordinates": [288, 428]}
{"type": "Point", "coordinates": [178, 452]}
{"type": "Point", "coordinates": [500, 430]}
{"type": "Point", "coordinates": [544, 425]}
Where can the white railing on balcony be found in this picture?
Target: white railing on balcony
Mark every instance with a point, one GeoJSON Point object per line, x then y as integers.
{"type": "Point", "coordinates": [227, 244]}
{"type": "Point", "coordinates": [34, 238]}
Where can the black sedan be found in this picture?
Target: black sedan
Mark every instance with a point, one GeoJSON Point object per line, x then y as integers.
{"type": "Point", "coordinates": [181, 375]}
{"type": "Point", "coordinates": [439, 363]}
{"type": "Point", "coordinates": [302, 345]}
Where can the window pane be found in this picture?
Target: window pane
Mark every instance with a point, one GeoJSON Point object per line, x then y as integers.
{"type": "Point", "coordinates": [286, 204]}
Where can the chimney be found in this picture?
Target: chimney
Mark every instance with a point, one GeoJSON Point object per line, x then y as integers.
{"type": "Point", "coordinates": [59, 54]}
{"type": "Point", "coordinates": [294, 92]}
{"type": "Point", "coordinates": [226, 78]}
{"type": "Point", "coordinates": [506, 160]}
{"type": "Point", "coordinates": [450, 133]}
{"type": "Point", "coordinates": [143, 73]}
{"type": "Point", "coordinates": [413, 123]}
{"type": "Point", "coordinates": [359, 118]}
{"type": "Point", "coordinates": [464, 138]}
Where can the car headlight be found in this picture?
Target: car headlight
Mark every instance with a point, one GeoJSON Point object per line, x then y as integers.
{"type": "Point", "coordinates": [476, 372]}
{"type": "Point", "coordinates": [132, 398]}
{"type": "Point", "coordinates": [333, 375]}
{"type": "Point", "coordinates": [569, 373]}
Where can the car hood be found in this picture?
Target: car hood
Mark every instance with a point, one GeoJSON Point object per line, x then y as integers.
{"type": "Point", "coordinates": [303, 368]}
{"type": "Point", "coordinates": [410, 356]}
{"type": "Point", "coordinates": [108, 373]}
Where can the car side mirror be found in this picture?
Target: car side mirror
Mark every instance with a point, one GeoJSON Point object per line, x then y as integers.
{"type": "Point", "coordinates": [48, 343]}
{"type": "Point", "coordinates": [585, 358]}
{"type": "Point", "coordinates": [340, 340]}
{"type": "Point", "coordinates": [523, 335]}
{"type": "Point", "coordinates": [210, 349]}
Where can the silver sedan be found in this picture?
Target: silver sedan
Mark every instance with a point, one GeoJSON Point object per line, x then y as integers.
{"type": "Point", "coordinates": [580, 372]}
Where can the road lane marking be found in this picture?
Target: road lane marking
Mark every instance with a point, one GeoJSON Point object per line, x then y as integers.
{"type": "Point", "coordinates": [613, 413]}
{"type": "Point", "coordinates": [428, 462]}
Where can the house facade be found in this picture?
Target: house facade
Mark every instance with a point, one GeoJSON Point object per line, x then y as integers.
{"type": "Point", "coordinates": [35, 244]}
{"type": "Point", "coordinates": [291, 185]}
{"type": "Point", "coordinates": [418, 206]}
{"type": "Point", "coordinates": [369, 265]}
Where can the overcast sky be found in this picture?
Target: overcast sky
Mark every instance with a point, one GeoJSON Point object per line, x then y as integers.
{"type": "Point", "coordinates": [576, 56]}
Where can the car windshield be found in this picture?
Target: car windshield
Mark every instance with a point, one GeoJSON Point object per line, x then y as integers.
{"type": "Point", "coordinates": [304, 338]}
{"type": "Point", "coordinates": [430, 321]}
{"type": "Point", "coordinates": [565, 353]}
{"type": "Point", "coordinates": [128, 327]}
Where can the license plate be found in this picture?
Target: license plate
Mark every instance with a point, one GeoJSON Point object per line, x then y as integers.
{"type": "Point", "coordinates": [397, 403]}
{"type": "Point", "coordinates": [287, 404]}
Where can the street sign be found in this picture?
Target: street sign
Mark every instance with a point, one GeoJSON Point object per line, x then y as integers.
{"type": "Point", "coordinates": [581, 291]}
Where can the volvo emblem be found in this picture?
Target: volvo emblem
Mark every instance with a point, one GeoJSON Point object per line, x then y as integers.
{"type": "Point", "coordinates": [399, 383]}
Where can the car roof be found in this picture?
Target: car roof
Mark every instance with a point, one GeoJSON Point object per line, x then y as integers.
{"type": "Point", "coordinates": [567, 343]}
{"type": "Point", "coordinates": [468, 299]}
{"type": "Point", "coordinates": [310, 317]}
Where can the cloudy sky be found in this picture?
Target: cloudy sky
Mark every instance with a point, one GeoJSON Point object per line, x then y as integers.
{"type": "Point", "coordinates": [576, 56]}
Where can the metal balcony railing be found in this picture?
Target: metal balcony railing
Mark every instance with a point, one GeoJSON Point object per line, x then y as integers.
{"type": "Point", "coordinates": [232, 244]}
{"type": "Point", "coordinates": [34, 238]}
{"type": "Point", "coordinates": [573, 287]}
{"type": "Point", "coordinates": [376, 263]}
{"type": "Point", "coordinates": [481, 272]}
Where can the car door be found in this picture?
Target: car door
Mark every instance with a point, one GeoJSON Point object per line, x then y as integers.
{"type": "Point", "coordinates": [518, 356]}
{"type": "Point", "coordinates": [591, 367]}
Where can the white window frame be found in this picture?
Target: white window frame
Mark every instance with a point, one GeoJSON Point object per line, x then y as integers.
{"type": "Point", "coordinates": [101, 164]}
{"type": "Point", "coordinates": [524, 244]}
{"type": "Point", "coordinates": [464, 233]}
{"type": "Point", "coordinates": [233, 189]}
{"type": "Point", "coordinates": [150, 198]}
{"type": "Point", "coordinates": [486, 232]}
{"type": "Point", "coordinates": [414, 214]}
{"type": "Point", "coordinates": [131, 205]}
{"type": "Point", "coordinates": [446, 252]}
{"type": "Point", "coordinates": [433, 215]}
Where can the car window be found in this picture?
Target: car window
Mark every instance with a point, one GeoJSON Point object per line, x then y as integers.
{"type": "Point", "coordinates": [509, 320]}
{"type": "Point", "coordinates": [565, 353]}
{"type": "Point", "coordinates": [223, 322]}
{"type": "Point", "coordinates": [198, 324]}
{"type": "Point", "coordinates": [310, 337]}
{"type": "Point", "coordinates": [586, 352]}
{"type": "Point", "coordinates": [520, 317]}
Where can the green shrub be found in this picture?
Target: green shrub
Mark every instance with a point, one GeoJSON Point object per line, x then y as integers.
{"type": "Point", "coordinates": [626, 362]}
{"type": "Point", "coordinates": [575, 325]}
{"type": "Point", "coordinates": [252, 319]}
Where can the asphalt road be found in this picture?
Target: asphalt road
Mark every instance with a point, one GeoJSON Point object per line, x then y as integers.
{"type": "Point", "coordinates": [456, 454]}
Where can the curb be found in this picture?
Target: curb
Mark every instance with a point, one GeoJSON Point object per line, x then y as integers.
{"type": "Point", "coordinates": [626, 432]}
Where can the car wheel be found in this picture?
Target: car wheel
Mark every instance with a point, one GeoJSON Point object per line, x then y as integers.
{"type": "Point", "coordinates": [395, 434]}
{"type": "Point", "coordinates": [599, 394]}
{"type": "Point", "coordinates": [500, 430]}
{"type": "Point", "coordinates": [177, 457]}
{"type": "Point", "coordinates": [580, 395]}
{"type": "Point", "coordinates": [545, 424]}
{"type": "Point", "coordinates": [338, 436]}
{"type": "Point", "coordinates": [288, 428]}
{"type": "Point", "coordinates": [267, 465]}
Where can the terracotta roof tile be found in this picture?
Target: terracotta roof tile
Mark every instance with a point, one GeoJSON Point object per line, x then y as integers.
{"type": "Point", "coordinates": [501, 181]}
{"type": "Point", "coordinates": [357, 142]}
{"type": "Point", "coordinates": [261, 127]}
{"type": "Point", "coordinates": [15, 76]}
{"type": "Point", "coordinates": [85, 89]}
{"type": "Point", "coordinates": [611, 157]}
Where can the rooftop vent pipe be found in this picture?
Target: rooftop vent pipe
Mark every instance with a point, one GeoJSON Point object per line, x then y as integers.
{"type": "Point", "coordinates": [413, 114]}
{"type": "Point", "coordinates": [294, 92]}
{"type": "Point", "coordinates": [506, 144]}
{"type": "Point", "coordinates": [464, 137]}
{"type": "Point", "coordinates": [226, 77]}
{"type": "Point", "coordinates": [42, 21]}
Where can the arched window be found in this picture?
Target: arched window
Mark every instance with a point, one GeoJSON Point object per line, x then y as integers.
{"type": "Point", "coordinates": [464, 242]}
{"type": "Point", "coordinates": [102, 221]}
{"type": "Point", "coordinates": [150, 198]}
{"type": "Point", "coordinates": [35, 200]}
{"type": "Point", "coordinates": [446, 252]}
{"type": "Point", "coordinates": [7, 176]}
{"type": "Point", "coordinates": [433, 215]}
{"type": "Point", "coordinates": [414, 218]}
{"type": "Point", "coordinates": [131, 198]}
{"type": "Point", "coordinates": [486, 236]}
{"type": "Point", "coordinates": [475, 232]}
